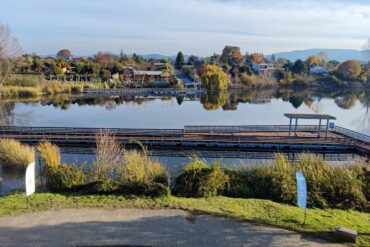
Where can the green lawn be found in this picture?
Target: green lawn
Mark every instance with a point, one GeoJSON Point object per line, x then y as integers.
{"type": "Point", "coordinates": [320, 223]}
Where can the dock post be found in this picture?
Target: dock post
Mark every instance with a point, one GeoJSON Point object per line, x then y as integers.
{"type": "Point", "coordinates": [296, 126]}
{"type": "Point", "coordinates": [319, 132]}
{"type": "Point", "coordinates": [327, 128]}
{"type": "Point", "coordinates": [290, 126]}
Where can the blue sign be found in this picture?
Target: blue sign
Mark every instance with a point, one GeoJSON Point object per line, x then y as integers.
{"type": "Point", "coordinates": [331, 125]}
{"type": "Point", "coordinates": [301, 190]}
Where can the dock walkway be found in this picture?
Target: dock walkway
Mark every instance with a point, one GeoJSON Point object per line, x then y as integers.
{"type": "Point", "coordinates": [268, 137]}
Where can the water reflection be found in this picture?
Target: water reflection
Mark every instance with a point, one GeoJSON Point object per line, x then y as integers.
{"type": "Point", "coordinates": [351, 106]}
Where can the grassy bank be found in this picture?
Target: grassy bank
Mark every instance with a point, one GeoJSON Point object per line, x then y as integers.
{"type": "Point", "coordinates": [320, 223]}
{"type": "Point", "coordinates": [28, 88]}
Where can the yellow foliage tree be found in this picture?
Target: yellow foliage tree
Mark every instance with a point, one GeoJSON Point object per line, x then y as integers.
{"type": "Point", "coordinates": [255, 58]}
{"type": "Point", "coordinates": [312, 61]}
{"type": "Point", "coordinates": [350, 69]}
{"type": "Point", "coordinates": [214, 78]}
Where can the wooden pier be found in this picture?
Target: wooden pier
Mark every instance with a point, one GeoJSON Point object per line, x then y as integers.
{"type": "Point", "coordinates": [266, 137]}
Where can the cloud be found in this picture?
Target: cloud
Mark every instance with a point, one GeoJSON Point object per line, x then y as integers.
{"type": "Point", "coordinates": [194, 26]}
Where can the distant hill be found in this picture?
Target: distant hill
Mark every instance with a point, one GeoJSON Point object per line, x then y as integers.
{"type": "Point", "coordinates": [160, 56]}
{"type": "Point", "coordinates": [340, 55]}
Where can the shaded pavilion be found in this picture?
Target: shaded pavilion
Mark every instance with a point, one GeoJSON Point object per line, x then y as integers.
{"type": "Point", "coordinates": [319, 117]}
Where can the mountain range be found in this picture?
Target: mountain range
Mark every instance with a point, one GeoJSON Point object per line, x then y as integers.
{"type": "Point", "coordinates": [340, 55]}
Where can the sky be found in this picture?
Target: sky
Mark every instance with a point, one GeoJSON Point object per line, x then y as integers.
{"type": "Point", "coordinates": [199, 27]}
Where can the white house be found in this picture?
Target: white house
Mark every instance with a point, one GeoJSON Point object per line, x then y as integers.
{"type": "Point", "coordinates": [262, 67]}
{"type": "Point", "coordinates": [314, 69]}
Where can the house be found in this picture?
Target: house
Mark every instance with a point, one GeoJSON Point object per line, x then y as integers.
{"type": "Point", "coordinates": [314, 69]}
{"type": "Point", "coordinates": [160, 66]}
{"type": "Point", "coordinates": [263, 67]}
{"type": "Point", "coordinates": [145, 75]}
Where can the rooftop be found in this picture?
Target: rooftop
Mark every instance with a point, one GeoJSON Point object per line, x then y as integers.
{"type": "Point", "coordinates": [142, 72]}
{"type": "Point", "coordinates": [309, 116]}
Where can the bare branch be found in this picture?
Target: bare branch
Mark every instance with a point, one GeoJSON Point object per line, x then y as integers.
{"type": "Point", "coordinates": [9, 49]}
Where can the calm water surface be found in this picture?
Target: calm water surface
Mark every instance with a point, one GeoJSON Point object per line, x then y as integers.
{"type": "Point", "coordinates": [232, 108]}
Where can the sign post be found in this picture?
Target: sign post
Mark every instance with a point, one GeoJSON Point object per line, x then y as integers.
{"type": "Point", "coordinates": [302, 193]}
{"type": "Point", "coordinates": [30, 180]}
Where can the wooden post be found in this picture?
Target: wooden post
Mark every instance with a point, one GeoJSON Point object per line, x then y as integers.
{"type": "Point", "coordinates": [327, 128]}
{"type": "Point", "coordinates": [319, 131]}
{"type": "Point", "coordinates": [296, 126]}
{"type": "Point", "coordinates": [290, 126]}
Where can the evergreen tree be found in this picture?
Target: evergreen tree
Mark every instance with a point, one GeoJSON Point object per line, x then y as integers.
{"type": "Point", "coordinates": [180, 60]}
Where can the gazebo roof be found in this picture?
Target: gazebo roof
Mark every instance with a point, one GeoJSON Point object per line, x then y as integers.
{"type": "Point", "coordinates": [310, 116]}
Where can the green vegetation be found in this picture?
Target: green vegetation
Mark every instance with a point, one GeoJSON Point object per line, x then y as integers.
{"type": "Point", "coordinates": [213, 78]}
{"type": "Point", "coordinates": [15, 154]}
{"type": "Point", "coordinates": [328, 186]}
{"type": "Point", "coordinates": [180, 60]}
{"type": "Point", "coordinates": [320, 223]}
{"type": "Point", "coordinates": [198, 179]}
{"type": "Point", "coordinates": [115, 170]}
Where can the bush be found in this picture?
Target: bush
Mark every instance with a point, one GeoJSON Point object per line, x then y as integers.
{"type": "Point", "coordinates": [77, 88]}
{"type": "Point", "coordinates": [198, 179]}
{"type": "Point", "coordinates": [15, 154]}
{"type": "Point", "coordinates": [327, 186]}
{"type": "Point", "coordinates": [59, 177]}
{"type": "Point", "coordinates": [65, 178]}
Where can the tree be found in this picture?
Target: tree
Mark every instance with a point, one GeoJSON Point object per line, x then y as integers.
{"type": "Point", "coordinates": [64, 53]}
{"type": "Point", "coordinates": [214, 78]}
{"type": "Point", "coordinates": [193, 60]}
{"type": "Point", "coordinates": [312, 60]}
{"type": "Point", "coordinates": [9, 49]}
{"type": "Point", "coordinates": [105, 59]}
{"type": "Point", "coordinates": [299, 67]}
{"type": "Point", "coordinates": [180, 60]}
{"type": "Point", "coordinates": [105, 74]}
{"type": "Point", "coordinates": [255, 58]}
{"type": "Point", "coordinates": [350, 69]}
{"type": "Point", "coordinates": [121, 55]}
{"type": "Point", "coordinates": [231, 55]}
{"type": "Point", "coordinates": [322, 58]}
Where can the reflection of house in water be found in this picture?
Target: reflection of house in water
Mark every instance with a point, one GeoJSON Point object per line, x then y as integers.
{"type": "Point", "coordinates": [260, 101]}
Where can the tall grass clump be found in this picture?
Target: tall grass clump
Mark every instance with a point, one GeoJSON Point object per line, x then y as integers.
{"type": "Point", "coordinates": [59, 177]}
{"type": "Point", "coordinates": [118, 170]}
{"type": "Point", "coordinates": [199, 179]}
{"type": "Point", "coordinates": [15, 154]}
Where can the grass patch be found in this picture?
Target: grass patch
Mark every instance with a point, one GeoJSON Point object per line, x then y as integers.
{"type": "Point", "coordinates": [320, 222]}
{"type": "Point", "coordinates": [15, 154]}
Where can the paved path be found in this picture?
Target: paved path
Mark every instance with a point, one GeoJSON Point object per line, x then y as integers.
{"type": "Point", "coordinates": [136, 227]}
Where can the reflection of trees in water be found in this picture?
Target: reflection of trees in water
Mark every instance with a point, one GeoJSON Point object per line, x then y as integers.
{"type": "Point", "coordinates": [7, 113]}
{"type": "Point", "coordinates": [215, 100]}
{"type": "Point", "coordinates": [346, 102]}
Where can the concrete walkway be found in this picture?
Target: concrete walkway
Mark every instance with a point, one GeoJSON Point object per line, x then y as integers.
{"type": "Point", "coordinates": [136, 227]}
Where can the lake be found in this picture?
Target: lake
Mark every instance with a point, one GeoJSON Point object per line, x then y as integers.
{"type": "Point", "coordinates": [219, 108]}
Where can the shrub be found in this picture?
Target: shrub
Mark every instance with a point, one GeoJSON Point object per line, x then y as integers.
{"type": "Point", "coordinates": [59, 177]}
{"type": "Point", "coordinates": [198, 179]}
{"type": "Point", "coordinates": [327, 186]}
{"type": "Point", "coordinates": [15, 154]}
{"type": "Point", "coordinates": [77, 88]}
{"type": "Point", "coordinates": [65, 178]}
{"type": "Point", "coordinates": [138, 168]}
